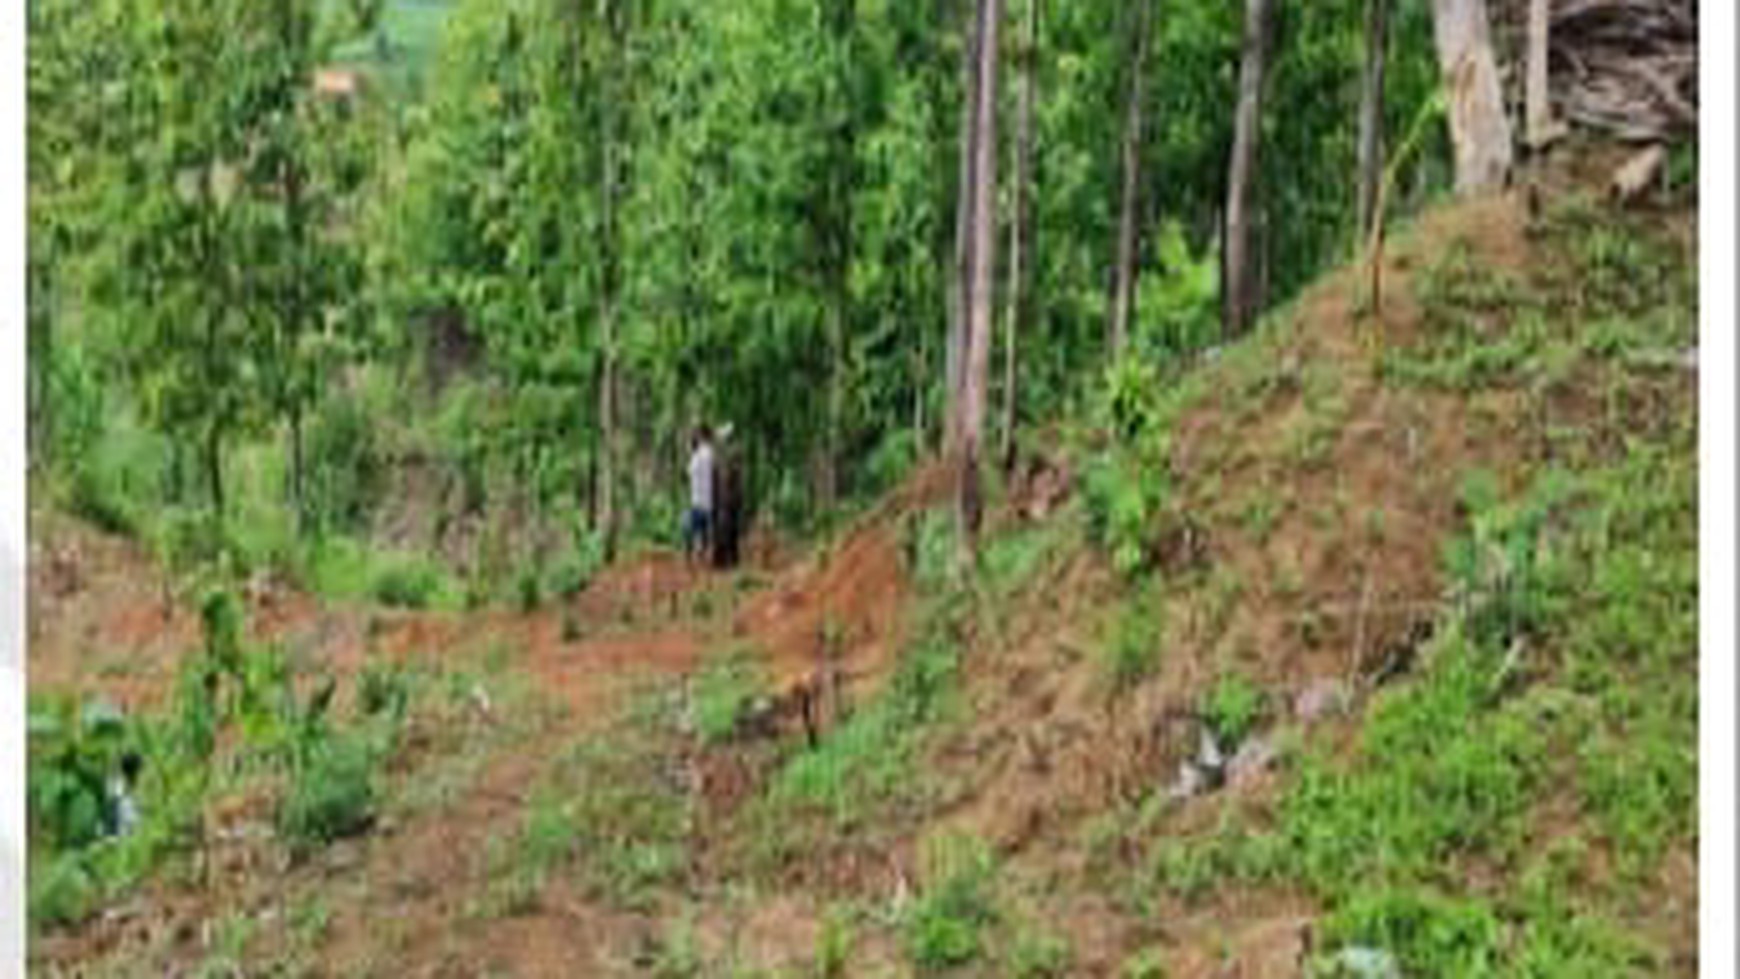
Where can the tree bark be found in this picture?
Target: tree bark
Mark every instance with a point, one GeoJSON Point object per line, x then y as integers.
{"type": "Point", "coordinates": [1238, 289]}
{"type": "Point", "coordinates": [838, 236]}
{"type": "Point", "coordinates": [959, 271]}
{"type": "Point", "coordinates": [1020, 230]}
{"type": "Point", "coordinates": [1479, 128]}
{"type": "Point", "coordinates": [981, 249]}
{"type": "Point", "coordinates": [607, 293]}
{"type": "Point", "coordinates": [1541, 129]}
{"type": "Point", "coordinates": [1371, 113]}
{"type": "Point", "coordinates": [1124, 284]}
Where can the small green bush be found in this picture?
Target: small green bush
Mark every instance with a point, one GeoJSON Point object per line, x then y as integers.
{"type": "Point", "coordinates": [1039, 955]}
{"type": "Point", "coordinates": [833, 945]}
{"type": "Point", "coordinates": [1133, 651]}
{"type": "Point", "coordinates": [383, 690]}
{"type": "Point", "coordinates": [947, 923]}
{"type": "Point", "coordinates": [570, 575]}
{"type": "Point", "coordinates": [1430, 936]}
{"type": "Point", "coordinates": [94, 496]}
{"type": "Point", "coordinates": [1149, 963]}
{"type": "Point", "coordinates": [528, 589]}
{"type": "Point", "coordinates": [331, 793]}
{"type": "Point", "coordinates": [722, 692]}
{"type": "Point", "coordinates": [406, 583]}
{"type": "Point", "coordinates": [1231, 709]}
{"type": "Point", "coordinates": [344, 472]}
{"type": "Point", "coordinates": [62, 889]}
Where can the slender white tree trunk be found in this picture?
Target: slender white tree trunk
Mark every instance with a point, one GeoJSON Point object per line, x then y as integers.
{"type": "Point", "coordinates": [981, 249]}
{"type": "Point", "coordinates": [1019, 228]}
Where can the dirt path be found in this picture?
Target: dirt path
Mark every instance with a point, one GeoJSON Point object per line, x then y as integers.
{"type": "Point", "coordinates": [402, 900]}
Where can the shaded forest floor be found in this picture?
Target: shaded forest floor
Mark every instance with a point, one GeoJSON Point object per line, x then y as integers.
{"type": "Point", "coordinates": [1428, 592]}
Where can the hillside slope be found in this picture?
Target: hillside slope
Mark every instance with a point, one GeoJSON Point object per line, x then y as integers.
{"type": "Point", "coordinates": [1347, 642]}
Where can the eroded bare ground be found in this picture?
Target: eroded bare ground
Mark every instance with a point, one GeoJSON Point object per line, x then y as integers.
{"type": "Point", "coordinates": [570, 818]}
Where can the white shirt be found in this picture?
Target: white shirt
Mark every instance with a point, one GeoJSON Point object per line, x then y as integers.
{"type": "Point", "coordinates": [701, 478]}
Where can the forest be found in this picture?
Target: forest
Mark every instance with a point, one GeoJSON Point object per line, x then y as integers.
{"type": "Point", "coordinates": [606, 225]}
{"type": "Point", "coordinates": [1219, 483]}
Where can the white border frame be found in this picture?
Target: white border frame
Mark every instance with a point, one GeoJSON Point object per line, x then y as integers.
{"type": "Point", "coordinates": [1716, 494]}
{"type": "Point", "coordinates": [13, 543]}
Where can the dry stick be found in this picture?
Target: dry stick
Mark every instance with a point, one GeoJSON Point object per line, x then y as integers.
{"type": "Point", "coordinates": [1359, 626]}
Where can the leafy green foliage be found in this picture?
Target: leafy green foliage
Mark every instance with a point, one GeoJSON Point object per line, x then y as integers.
{"type": "Point", "coordinates": [1039, 954]}
{"type": "Point", "coordinates": [945, 926]}
{"type": "Point", "coordinates": [1430, 935]}
{"type": "Point", "coordinates": [1134, 647]}
{"type": "Point", "coordinates": [866, 763]}
{"type": "Point", "coordinates": [74, 754]}
{"type": "Point", "coordinates": [833, 945]}
{"type": "Point", "coordinates": [345, 472]}
{"type": "Point", "coordinates": [723, 691]}
{"type": "Point", "coordinates": [331, 793]}
{"type": "Point", "coordinates": [407, 582]}
{"type": "Point", "coordinates": [1231, 709]}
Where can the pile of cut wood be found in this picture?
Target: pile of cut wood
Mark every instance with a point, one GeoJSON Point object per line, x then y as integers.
{"type": "Point", "coordinates": [1626, 67]}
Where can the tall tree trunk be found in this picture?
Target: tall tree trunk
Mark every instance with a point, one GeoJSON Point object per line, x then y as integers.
{"type": "Point", "coordinates": [981, 248]}
{"type": "Point", "coordinates": [292, 326]}
{"type": "Point", "coordinates": [1541, 128]}
{"type": "Point", "coordinates": [608, 244]}
{"type": "Point", "coordinates": [1020, 230]}
{"type": "Point", "coordinates": [1238, 289]}
{"type": "Point", "coordinates": [838, 242]}
{"type": "Point", "coordinates": [1371, 112]}
{"type": "Point", "coordinates": [1124, 283]}
{"type": "Point", "coordinates": [960, 273]}
{"type": "Point", "coordinates": [1479, 127]}
{"type": "Point", "coordinates": [827, 469]}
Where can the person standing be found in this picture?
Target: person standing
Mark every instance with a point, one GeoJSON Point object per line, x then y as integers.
{"type": "Point", "coordinates": [727, 516]}
{"type": "Point", "coordinates": [698, 529]}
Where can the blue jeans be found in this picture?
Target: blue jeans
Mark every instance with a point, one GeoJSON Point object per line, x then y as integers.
{"type": "Point", "coordinates": [698, 527]}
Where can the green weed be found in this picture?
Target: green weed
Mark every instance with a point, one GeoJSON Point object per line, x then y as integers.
{"type": "Point", "coordinates": [945, 926]}
{"type": "Point", "coordinates": [1149, 963]}
{"type": "Point", "coordinates": [1039, 954]}
{"type": "Point", "coordinates": [834, 940]}
{"type": "Point", "coordinates": [723, 692]}
{"type": "Point", "coordinates": [1137, 635]}
{"type": "Point", "coordinates": [331, 794]}
{"type": "Point", "coordinates": [1231, 709]}
{"type": "Point", "coordinates": [608, 809]}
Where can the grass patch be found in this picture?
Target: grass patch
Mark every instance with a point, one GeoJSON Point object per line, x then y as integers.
{"type": "Point", "coordinates": [1231, 709]}
{"type": "Point", "coordinates": [1567, 666]}
{"type": "Point", "coordinates": [945, 927]}
{"type": "Point", "coordinates": [609, 809]}
{"type": "Point", "coordinates": [723, 692]}
{"type": "Point", "coordinates": [855, 781]}
{"type": "Point", "coordinates": [1133, 651]}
